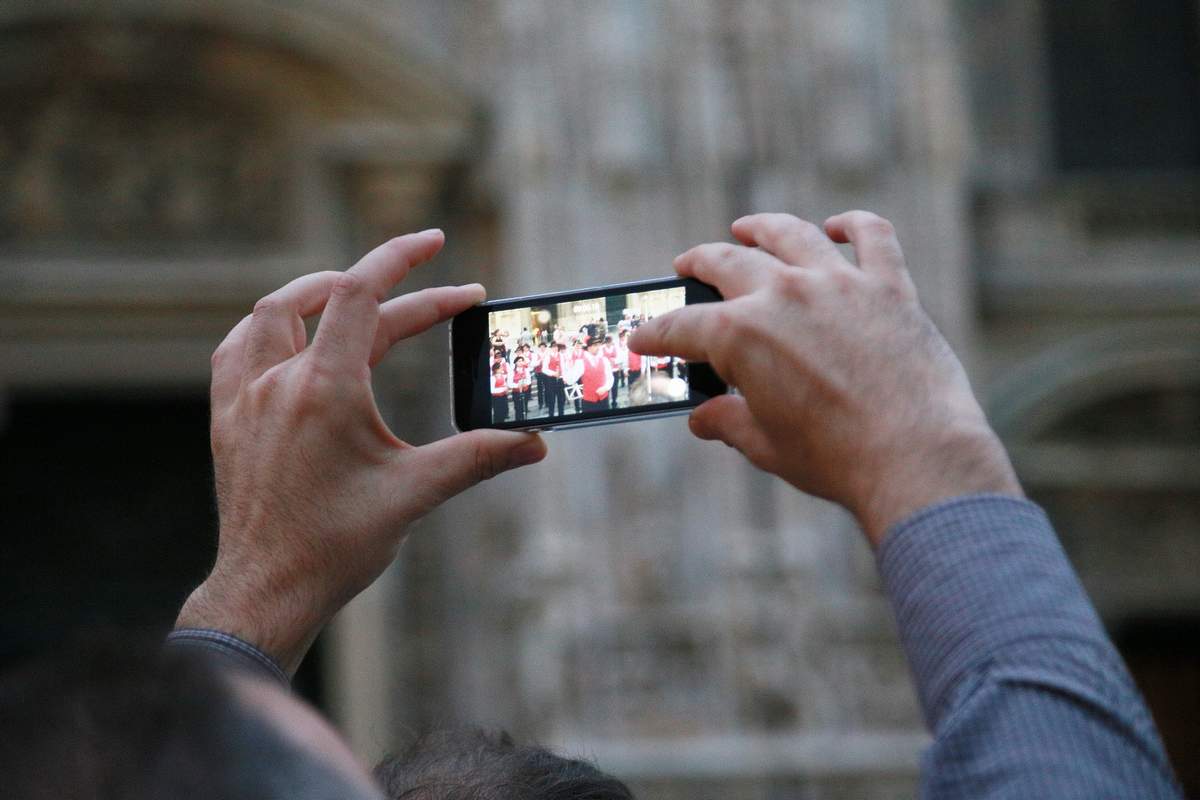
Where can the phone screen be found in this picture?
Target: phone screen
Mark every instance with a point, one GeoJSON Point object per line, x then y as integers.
{"type": "Point", "coordinates": [563, 359]}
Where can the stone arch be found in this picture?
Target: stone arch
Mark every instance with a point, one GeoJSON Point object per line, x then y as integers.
{"type": "Point", "coordinates": [1104, 430]}
{"type": "Point", "coordinates": [1090, 368]}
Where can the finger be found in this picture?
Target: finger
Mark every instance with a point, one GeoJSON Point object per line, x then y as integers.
{"type": "Point", "coordinates": [874, 239]}
{"type": "Point", "coordinates": [276, 330]}
{"type": "Point", "coordinates": [346, 334]}
{"type": "Point", "coordinates": [389, 263]}
{"type": "Point", "coordinates": [728, 419]}
{"type": "Point", "coordinates": [733, 269]}
{"type": "Point", "coordinates": [228, 360]}
{"type": "Point", "coordinates": [411, 314]}
{"type": "Point", "coordinates": [456, 463]}
{"type": "Point", "coordinates": [788, 238]}
{"type": "Point", "coordinates": [683, 332]}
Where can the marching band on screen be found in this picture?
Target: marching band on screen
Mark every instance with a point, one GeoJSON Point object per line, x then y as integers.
{"type": "Point", "coordinates": [548, 370]}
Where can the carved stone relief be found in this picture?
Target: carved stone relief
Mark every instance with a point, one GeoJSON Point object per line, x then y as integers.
{"type": "Point", "coordinates": [116, 139]}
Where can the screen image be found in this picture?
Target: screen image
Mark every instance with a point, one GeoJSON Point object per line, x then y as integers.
{"type": "Point", "coordinates": [563, 359]}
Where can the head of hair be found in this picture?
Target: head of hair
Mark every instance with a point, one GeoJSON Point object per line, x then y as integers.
{"type": "Point", "coordinates": [520, 359]}
{"type": "Point", "coordinates": [478, 765]}
{"type": "Point", "coordinates": [497, 367]}
{"type": "Point", "coordinates": [115, 718]}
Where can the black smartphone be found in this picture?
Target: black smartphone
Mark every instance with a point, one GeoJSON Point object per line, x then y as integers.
{"type": "Point", "coordinates": [552, 361]}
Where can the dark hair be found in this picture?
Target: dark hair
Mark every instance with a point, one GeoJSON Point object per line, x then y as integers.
{"type": "Point", "coordinates": [473, 764]}
{"type": "Point", "coordinates": [115, 718]}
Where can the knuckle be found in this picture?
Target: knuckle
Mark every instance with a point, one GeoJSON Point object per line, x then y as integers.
{"type": "Point", "coordinates": [313, 379]}
{"type": "Point", "coordinates": [219, 356]}
{"type": "Point", "coordinates": [398, 249]}
{"type": "Point", "coordinates": [657, 330]}
{"type": "Point", "coordinates": [895, 288]}
{"type": "Point", "coordinates": [795, 285]}
{"type": "Point", "coordinates": [874, 225]}
{"type": "Point", "coordinates": [715, 255]}
{"type": "Point", "coordinates": [802, 227]}
{"type": "Point", "coordinates": [264, 389]}
{"type": "Point", "coordinates": [348, 284]}
{"type": "Point", "coordinates": [266, 306]}
{"type": "Point", "coordinates": [724, 252]}
{"type": "Point", "coordinates": [844, 281]}
{"type": "Point", "coordinates": [487, 463]}
{"type": "Point", "coordinates": [726, 321]}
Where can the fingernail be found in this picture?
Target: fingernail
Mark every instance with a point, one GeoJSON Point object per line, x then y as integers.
{"type": "Point", "coordinates": [432, 230]}
{"type": "Point", "coordinates": [528, 453]}
{"type": "Point", "coordinates": [477, 287]}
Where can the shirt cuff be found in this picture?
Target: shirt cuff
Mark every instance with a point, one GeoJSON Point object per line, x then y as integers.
{"type": "Point", "coordinates": [973, 579]}
{"type": "Point", "coordinates": [231, 648]}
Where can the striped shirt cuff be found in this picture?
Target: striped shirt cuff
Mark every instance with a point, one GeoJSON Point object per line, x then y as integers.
{"type": "Point", "coordinates": [232, 648]}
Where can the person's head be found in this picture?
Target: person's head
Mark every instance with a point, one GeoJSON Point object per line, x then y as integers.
{"type": "Point", "coordinates": [128, 720]}
{"type": "Point", "coordinates": [593, 344]}
{"type": "Point", "coordinates": [477, 765]}
{"type": "Point", "coordinates": [521, 361]}
{"type": "Point", "coordinates": [622, 336]}
{"type": "Point", "coordinates": [560, 347]}
{"type": "Point", "coordinates": [608, 339]}
{"type": "Point", "coordinates": [497, 368]}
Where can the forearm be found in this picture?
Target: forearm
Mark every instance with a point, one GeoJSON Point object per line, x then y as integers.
{"type": "Point", "coordinates": [1024, 692]}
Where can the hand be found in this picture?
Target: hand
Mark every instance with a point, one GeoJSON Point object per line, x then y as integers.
{"type": "Point", "coordinates": [313, 490]}
{"type": "Point", "coordinates": [848, 390]}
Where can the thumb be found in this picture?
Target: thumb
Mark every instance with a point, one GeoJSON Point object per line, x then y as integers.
{"type": "Point", "coordinates": [451, 465]}
{"type": "Point", "coordinates": [728, 419]}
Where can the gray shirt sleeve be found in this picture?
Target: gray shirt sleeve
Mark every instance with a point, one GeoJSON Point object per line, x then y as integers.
{"type": "Point", "coordinates": [1024, 692]}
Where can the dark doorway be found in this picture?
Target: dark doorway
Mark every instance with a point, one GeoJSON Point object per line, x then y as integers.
{"type": "Point", "coordinates": [1163, 654]}
{"type": "Point", "coordinates": [109, 517]}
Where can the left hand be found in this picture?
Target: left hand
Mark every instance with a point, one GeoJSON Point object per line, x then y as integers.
{"type": "Point", "coordinates": [314, 492]}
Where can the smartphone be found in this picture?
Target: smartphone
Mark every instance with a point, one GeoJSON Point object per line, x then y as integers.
{"type": "Point", "coordinates": [553, 361]}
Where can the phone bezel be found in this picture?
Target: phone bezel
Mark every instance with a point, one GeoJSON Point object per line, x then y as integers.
{"type": "Point", "coordinates": [471, 402]}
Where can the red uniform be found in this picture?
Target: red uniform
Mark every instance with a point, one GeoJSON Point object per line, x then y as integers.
{"type": "Point", "coordinates": [597, 376]}
{"type": "Point", "coordinates": [635, 361]}
{"type": "Point", "coordinates": [519, 379]}
{"type": "Point", "coordinates": [499, 384]}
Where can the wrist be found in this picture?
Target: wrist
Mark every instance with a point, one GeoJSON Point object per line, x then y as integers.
{"type": "Point", "coordinates": [959, 459]}
{"type": "Point", "coordinates": [278, 623]}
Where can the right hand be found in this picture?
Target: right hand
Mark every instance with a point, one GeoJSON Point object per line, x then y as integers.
{"type": "Point", "coordinates": [848, 390]}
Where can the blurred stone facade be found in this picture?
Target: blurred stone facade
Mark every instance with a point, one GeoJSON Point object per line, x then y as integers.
{"type": "Point", "coordinates": [641, 597]}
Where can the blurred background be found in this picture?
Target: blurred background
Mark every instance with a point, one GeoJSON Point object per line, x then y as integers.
{"type": "Point", "coordinates": [640, 598]}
